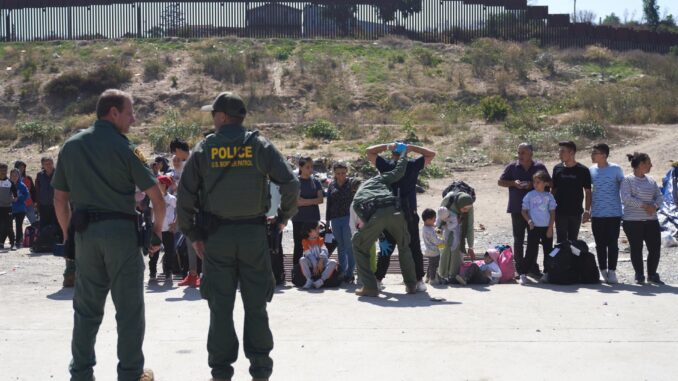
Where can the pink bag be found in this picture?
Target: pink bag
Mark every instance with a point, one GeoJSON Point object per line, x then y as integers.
{"type": "Point", "coordinates": [505, 262]}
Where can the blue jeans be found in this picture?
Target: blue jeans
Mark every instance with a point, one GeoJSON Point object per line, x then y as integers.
{"type": "Point", "coordinates": [30, 213]}
{"type": "Point", "coordinates": [342, 233]}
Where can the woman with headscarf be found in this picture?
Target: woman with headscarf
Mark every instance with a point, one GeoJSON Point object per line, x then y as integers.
{"type": "Point", "coordinates": [455, 218]}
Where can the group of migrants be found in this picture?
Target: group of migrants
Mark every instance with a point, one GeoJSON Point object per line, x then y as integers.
{"type": "Point", "coordinates": [225, 204]}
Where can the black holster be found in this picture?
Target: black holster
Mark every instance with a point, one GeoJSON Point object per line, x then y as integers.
{"type": "Point", "coordinates": [69, 245]}
{"type": "Point", "coordinates": [80, 220]}
{"type": "Point", "coordinates": [206, 223]}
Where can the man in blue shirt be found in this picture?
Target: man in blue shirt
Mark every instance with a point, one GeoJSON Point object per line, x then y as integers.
{"type": "Point", "coordinates": [406, 188]}
{"type": "Point", "coordinates": [606, 210]}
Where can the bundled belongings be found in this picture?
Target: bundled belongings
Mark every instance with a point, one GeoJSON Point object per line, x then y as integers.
{"type": "Point", "coordinates": [668, 213]}
{"type": "Point", "coordinates": [570, 262]}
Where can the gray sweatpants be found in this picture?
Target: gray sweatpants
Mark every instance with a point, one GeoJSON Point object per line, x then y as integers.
{"type": "Point", "coordinates": [192, 257]}
{"type": "Point", "coordinates": [307, 268]}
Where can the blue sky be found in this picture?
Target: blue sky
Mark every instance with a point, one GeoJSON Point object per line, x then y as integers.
{"type": "Point", "coordinates": [604, 7]}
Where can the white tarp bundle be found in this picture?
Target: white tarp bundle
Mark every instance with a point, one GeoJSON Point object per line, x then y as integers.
{"type": "Point", "coordinates": [668, 214]}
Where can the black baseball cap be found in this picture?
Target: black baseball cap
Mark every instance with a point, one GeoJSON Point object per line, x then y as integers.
{"type": "Point", "coordinates": [228, 103]}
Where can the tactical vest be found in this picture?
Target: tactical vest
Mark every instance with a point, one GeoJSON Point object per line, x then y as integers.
{"type": "Point", "coordinates": [234, 185]}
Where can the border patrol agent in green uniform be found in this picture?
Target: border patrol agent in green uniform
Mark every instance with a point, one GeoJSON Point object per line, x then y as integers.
{"type": "Point", "coordinates": [107, 253]}
{"type": "Point", "coordinates": [377, 208]}
{"type": "Point", "coordinates": [222, 202]}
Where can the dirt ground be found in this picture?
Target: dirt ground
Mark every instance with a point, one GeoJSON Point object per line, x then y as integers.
{"type": "Point", "coordinates": [658, 141]}
{"type": "Point", "coordinates": [492, 224]}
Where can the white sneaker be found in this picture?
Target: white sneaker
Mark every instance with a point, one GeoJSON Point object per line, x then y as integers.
{"type": "Point", "coordinates": [421, 287]}
{"type": "Point", "coordinates": [544, 278]}
{"type": "Point", "coordinates": [379, 285]}
{"type": "Point", "coordinates": [523, 280]}
{"type": "Point", "coordinates": [460, 279]}
{"type": "Point", "coordinates": [318, 283]}
{"type": "Point", "coordinates": [309, 284]}
{"type": "Point", "coordinates": [603, 275]}
{"type": "Point", "coordinates": [612, 277]}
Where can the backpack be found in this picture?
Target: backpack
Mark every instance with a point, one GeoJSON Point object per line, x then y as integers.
{"type": "Point", "coordinates": [560, 265]}
{"type": "Point", "coordinates": [460, 186]}
{"type": "Point", "coordinates": [30, 234]}
{"type": "Point", "coordinates": [505, 262]}
{"type": "Point", "coordinates": [47, 237]}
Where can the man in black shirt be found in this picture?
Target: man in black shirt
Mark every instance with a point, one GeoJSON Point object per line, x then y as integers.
{"type": "Point", "coordinates": [406, 188]}
{"type": "Point", "coordinates": [571, 182]}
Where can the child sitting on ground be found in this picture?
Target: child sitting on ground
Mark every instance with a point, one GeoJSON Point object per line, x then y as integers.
{"type": "Point", "coordinates": [488, 273]}
{"type": "Point", "coordinates": [315, 263]}
{"type": "Point", "coordinates": [433, 243]}
{"type": "Point", "coordinates": [168, 229]}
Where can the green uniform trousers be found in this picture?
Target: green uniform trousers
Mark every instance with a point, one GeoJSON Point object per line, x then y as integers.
{"type": "Point", "coordinates": [238, 254]}
{"type": "Point", "coordinates": [392, 221]}
{"type": "Point", "coordinates": [108, 258]}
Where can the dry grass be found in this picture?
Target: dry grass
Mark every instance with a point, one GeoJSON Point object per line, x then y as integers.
{"type": "Point", "coordinates": [7, 131]}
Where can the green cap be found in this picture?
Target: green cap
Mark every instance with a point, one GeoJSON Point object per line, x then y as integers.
{"type": "Point", "coordinates": [228, 103]}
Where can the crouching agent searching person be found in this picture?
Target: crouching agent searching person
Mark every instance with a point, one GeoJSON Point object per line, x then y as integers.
{"type": "Point", "coordinates": [107, 252]}
{"type": "Point", "coordinates": [378, 211]}
{"type": "Point", "coordinates": [222, 203]}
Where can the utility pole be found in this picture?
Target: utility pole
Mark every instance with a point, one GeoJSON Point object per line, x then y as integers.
{"type": "Point", "coordinates": [574, 15]}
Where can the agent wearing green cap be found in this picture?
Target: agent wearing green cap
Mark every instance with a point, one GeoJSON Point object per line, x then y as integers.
{"type": "Point", "coordinates": [377, 209]}
{"type": "Point", "coordinates": [455, 217]}
{"type": "Point", "coordinates": [222, 202]}
{"type": "Point", "coordinates": [107, 253]}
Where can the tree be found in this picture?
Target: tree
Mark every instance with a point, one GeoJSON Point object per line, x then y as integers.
{"type": "Point", "coordinates": [342, 15]}
{"type": "Point", "coordinates": [172, 19]}
{"type": "Point", "coordinates": [612, 20]}
{"type": "Point", "coordinates": [651, 13]}
{"type": "Point", "coordinates": [584, 16]}
{"type": "Point", "coordinates": [44, 133]}
{"type": "Point", "coordinates": [387, 10]}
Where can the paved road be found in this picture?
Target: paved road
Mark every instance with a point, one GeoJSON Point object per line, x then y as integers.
{"type": "Point", "coordinates": [504, 332]}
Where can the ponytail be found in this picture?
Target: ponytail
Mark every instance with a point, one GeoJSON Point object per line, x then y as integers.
{"type": "Point", "coordinates": [636, 158]}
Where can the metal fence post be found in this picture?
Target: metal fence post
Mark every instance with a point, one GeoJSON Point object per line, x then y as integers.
{"type": "Point", "coordinates": [139, 31]}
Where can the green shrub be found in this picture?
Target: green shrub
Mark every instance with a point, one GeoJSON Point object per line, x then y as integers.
{"type": "Point", "coordinates": [222, 67]}
{"type": "Point", "coordinates": [674, 50]}
{"type": "Point", "coordinates": [85, 105]}
{"type": "Point", "coordinates": [483, 55]}
{"type": "Point", "coordinates": [27, 71]}
{"type": "Point", "coordinates": [410, 133]}
{"type": "Point", "coordinates": [69, 85]}
{"type": "Point", "coordinates": [42, 132]}
{"type": "Point", "coordinates": [7, 132]}
{"type": "Point", "coordinates": [433, 171]}
{"type": "Point", "coordinates": [517, 59]}
{"type": "Point", "coordinates": [494, 108]}
{"type": "Point", "coordinates": [588, 129]}
{"type": "Point", "coordinates": [321, 129]}
{"type": "Point", "coordinates": [546, 63]}
{"type": "Point", "coordinates": [426, 57]}
{"type": "Point", "coordinates": [172, 127]}
{"type": "Point", "coordinates": [65, 86]}
{"type": "Point", "coordinates": [154, 69]}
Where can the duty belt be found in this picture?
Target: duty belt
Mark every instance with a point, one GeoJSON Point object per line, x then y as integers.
{"type": "Point", "coordinates": [261, 220]}
{"type": "Point", "coordinates": [105, 216]}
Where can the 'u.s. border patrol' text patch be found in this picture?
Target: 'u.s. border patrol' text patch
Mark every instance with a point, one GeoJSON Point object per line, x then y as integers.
{"type": "Point", "coordinates": [221, 157]}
